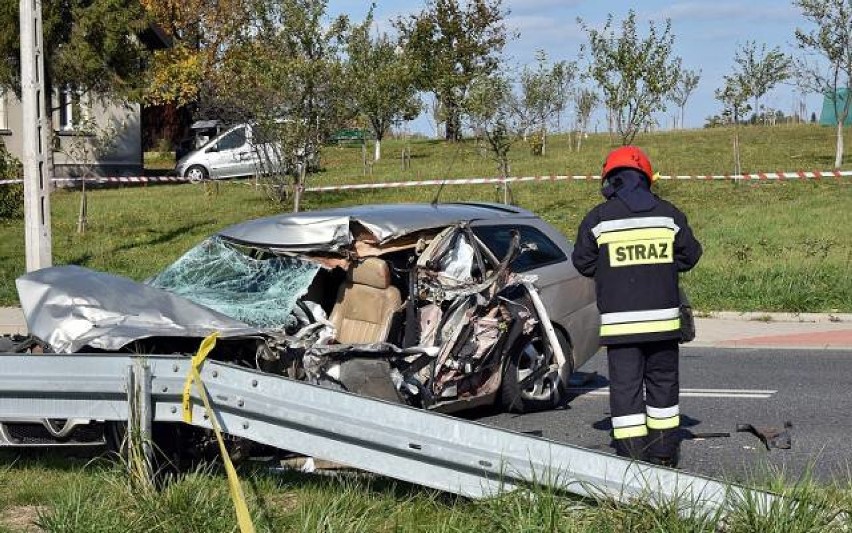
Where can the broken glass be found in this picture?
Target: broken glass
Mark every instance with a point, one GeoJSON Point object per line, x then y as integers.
{"type": "Point", "coordinates": [260, 289]}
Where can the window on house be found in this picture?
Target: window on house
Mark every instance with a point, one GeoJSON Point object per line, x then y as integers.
{"type": "Point", "coordinates": [4, 124]}
{"type": "Point", "coordinates": [73, 109]}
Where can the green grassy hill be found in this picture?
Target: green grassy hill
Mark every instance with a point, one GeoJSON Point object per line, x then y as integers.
{"type": "Point", "coordinates": [769, 246]}
{"type": "Point", "coordinates": [802, 147]}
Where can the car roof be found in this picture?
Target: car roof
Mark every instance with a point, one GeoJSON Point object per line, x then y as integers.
{"type": "Point", "coordinates": [384, 221]}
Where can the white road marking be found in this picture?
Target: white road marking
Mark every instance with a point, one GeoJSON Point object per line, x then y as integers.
{"type": "Point", "coordinates": [747, 394]}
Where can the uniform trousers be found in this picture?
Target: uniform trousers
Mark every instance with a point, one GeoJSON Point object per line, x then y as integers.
{"type": "Point", "coordinates": [643, 395]}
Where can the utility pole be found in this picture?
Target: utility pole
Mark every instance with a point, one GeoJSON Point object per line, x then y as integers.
{"type": "Point", "coordinates": [36, 137]}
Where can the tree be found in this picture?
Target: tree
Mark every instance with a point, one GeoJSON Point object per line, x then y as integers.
{"type": "Point", "coordinates": [202, 34]}
{"type": "Point", "coordinates": [452, 45]}
{"type": "Point", "coordinates": [585, 102]}
{"type": "Point", "coordinates": [288, 78]}
{"type": "Point", "coordinates": [636, 75]}
{"type": "Point", "coordinates": [761, 69]}
{"type": "Point", "coordinates": [832, 42]}
{"type": "Point", "coordinates": [686, 84]}
{"type": "Point", "coordinates": [544, 94]}
{"type": "Point", "coordinates": [492, 111]}
{"type": "Point", "coordinates": [382, 81]}
{"type": "Point", "coordinates": [734, 96]}
{"type": "Point", "coordinates": [91, 48]}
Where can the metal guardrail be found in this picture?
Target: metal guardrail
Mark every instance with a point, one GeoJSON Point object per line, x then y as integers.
{"type": "Point", "coordinates": [400, 442]}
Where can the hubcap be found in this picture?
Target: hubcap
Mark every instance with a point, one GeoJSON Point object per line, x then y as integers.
{"type": "Point", "coordinates": [533, 358]}
{"type": "Point", "coordinates": [195, 174]}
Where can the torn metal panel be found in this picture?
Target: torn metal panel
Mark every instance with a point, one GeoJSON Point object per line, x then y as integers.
{"type": "Point", "coordinates": [430, 319]}
{"type": "Point", "coordinates": [303, 231]}
{"type": "Point", "coordinates": [413, 241]}
{"type": "Point", "coordinates": [71, 307]}
{"type": "Point", "coordinates": [331, 230]}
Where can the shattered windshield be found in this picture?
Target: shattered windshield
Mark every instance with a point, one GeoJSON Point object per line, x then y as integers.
{"type": "Point", "coordinates": [260, 289]}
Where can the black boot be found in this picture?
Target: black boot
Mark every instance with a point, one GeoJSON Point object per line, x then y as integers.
{"type": "Point", "coordinates": [664, 447]}
{"type": "Point", "coordinates": [633, 448]}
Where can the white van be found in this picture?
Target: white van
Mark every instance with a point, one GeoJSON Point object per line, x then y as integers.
{"type": "Point", "coordinates": [232, 154]}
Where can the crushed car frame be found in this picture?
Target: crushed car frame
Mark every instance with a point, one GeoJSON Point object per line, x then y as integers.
{"type": "Point", "coordinates": [445, 307]}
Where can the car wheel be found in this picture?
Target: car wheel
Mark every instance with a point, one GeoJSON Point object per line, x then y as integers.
{"type": "Point", "coordinates": [196, 173]}
{"type": "Point", "coordinates": [528, 385]}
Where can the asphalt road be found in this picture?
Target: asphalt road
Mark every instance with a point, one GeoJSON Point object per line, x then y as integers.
{"type": "Point", "coordinates": [720, 389]}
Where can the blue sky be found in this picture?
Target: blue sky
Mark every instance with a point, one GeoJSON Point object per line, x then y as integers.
{"type": "Point", "coordinates": [707, 34]}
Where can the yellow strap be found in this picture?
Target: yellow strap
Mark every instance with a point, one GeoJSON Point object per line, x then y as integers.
{"type": "Point", "coordinates": [237, 496]}
{"type": "Point", "coordinates": [206, 347]}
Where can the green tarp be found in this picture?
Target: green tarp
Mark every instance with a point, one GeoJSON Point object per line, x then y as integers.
{"type": "Point", "coordinates": [828, 118]}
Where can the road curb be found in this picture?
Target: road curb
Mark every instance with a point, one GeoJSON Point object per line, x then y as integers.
{"type": "Point", "coordinates": [760, 316]}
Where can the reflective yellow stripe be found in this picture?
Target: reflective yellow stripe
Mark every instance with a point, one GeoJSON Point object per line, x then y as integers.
{"type": "Point", "coordinates": [642, 234]}
{"type": "Point", "coordinates": [663, 423]}
{"type": "Point", "coordinates": [628, 433]}
{"type": "Point", "coordinates": [633, 328]}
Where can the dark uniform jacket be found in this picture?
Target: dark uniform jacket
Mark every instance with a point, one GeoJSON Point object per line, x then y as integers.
{"type": "Point", "coordinates": [635, 259]}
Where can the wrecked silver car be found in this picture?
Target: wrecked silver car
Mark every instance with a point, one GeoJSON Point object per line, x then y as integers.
{"type": "Point", "coordinates": [446, 307]}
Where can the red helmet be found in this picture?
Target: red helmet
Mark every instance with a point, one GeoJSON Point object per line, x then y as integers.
{"type": "Point", "coordinates": [629, 157]}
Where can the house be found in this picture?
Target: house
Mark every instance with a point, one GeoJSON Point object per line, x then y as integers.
{"type": "Point", "coordinates": [92, 135]}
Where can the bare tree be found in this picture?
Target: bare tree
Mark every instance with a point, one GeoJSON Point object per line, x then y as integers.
{"type": "Point", "coordinates": [585, 102]}
{"type": "Point", "coordinates": [636, 75]}
{"type": "Point", "coordinates": [382, 81]}
{"type": "Point", "coordinates": [492, 110]}
{"type": "Point", "coordinates": [289, 79]}
{"type": "Point", "coordinates": [454, 42]}
{"type": "Point", "coordinates": [831, 41]}
{"type": "Point", "coordinates": [544, 94]}
{"type": "Point", "coordinates": [734, 96]}
{"type": "Point", "coordinates": [684, 88]}
{"type": "Point", "coordinates": [761, 69]}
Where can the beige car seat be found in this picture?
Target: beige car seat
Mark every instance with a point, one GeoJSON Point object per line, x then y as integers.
{"type": "Point", "coordinates": [365, 304]}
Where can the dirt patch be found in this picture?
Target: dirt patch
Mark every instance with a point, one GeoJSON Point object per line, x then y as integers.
{"type": "Point", "coordinates": [283, 502]}
{"type": "Point", "coordinates": [22, 518]}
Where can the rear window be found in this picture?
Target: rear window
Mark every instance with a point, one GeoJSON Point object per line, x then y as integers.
{"type": "Point", "coordinates": [541, 250]}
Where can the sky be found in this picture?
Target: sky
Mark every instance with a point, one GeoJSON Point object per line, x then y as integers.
{"type": "Point", "coordinates": [707, 34]}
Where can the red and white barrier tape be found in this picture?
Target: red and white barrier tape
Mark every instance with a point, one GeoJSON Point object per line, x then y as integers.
{"type": "Point", "coordinates": [778, 176]}
{"type": "Point", "coordinates": [499, 181]}
{"type": "Point", "coordinates": [127, 180]}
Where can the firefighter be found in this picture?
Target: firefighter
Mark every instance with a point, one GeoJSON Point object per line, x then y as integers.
{"type": "Point", "coordinates": [634, 244]}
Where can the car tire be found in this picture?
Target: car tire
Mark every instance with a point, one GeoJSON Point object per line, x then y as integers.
{"type": "Point", "coordinates": [197, 173]}
{"type": "Point", "coordinates": [546, 392]}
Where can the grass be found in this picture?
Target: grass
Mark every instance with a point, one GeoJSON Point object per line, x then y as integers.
{"type": "Point", "coordinates": [783, 246]}
{"type": "Point", "coordinates": [96, 496]}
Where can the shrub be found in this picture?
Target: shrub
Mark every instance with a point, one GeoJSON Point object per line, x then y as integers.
{"type": "Point", "coordinates": [11, 196]}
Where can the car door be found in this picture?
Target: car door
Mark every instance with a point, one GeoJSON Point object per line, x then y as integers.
{"type": "Point", "coordinates": [230, 156]}
{"type": "Point", "coordinates": [568, 296]}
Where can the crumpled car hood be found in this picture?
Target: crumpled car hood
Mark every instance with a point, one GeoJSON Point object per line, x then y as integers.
{"type": "Point", "coordinates": [72, 307]}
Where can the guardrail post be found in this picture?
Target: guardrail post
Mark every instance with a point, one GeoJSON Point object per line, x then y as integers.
{"type": "Point", "coordinates": [140, 418]}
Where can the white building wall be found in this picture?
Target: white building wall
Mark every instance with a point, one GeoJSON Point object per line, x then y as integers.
{"type": "Point", "coordinates": [71, 147]}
